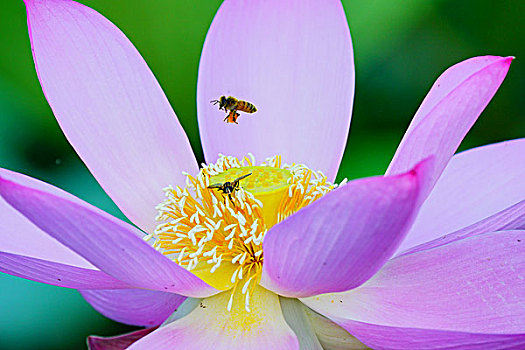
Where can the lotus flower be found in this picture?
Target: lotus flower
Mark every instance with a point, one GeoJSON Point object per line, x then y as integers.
{"type": "Point", "coordinates": [429, 256]}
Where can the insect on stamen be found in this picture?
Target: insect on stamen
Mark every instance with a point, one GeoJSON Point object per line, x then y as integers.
{"type": "Point", "coordinates": [206, 235]}
{"type": "Point", "coordinates": [227, 188]}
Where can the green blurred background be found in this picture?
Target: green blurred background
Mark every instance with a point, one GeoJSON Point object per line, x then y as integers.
{"type": "Point", "coordinates": [400, 49]}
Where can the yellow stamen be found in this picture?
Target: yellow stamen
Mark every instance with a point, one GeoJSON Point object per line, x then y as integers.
{"type": "Point", "coordinates": [220, 240]}
{"type": "Point", "coordinates": [267, 184]}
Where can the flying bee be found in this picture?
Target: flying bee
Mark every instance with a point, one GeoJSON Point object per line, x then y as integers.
{"type": "Point", "coordinates": [233, 105]}
{"type": "Point", "coordinates": [229, 187]}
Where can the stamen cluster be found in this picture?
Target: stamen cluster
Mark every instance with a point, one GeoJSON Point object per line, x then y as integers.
{"type": "Point", "coordinates": [206, 232]}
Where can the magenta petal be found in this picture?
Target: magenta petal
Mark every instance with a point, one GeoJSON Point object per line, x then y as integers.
{"type": "Point", "coordinates": [294, 61]}
{"type": "Point", "coordinates": [55, 273]}
{"type": "Point", "coordinates": [475, 184]}
{"type": "Point", "coordinates": [21, 237]}
{"type": "Point", "coordinates": [28, 252]}
{"type": "Point", "coordinates": [341, 240]}
{"type": "Point", "coordinates": [474, 285]}
{"type": "Point", "coordinates": [119, 342]}
{"type": "Point", "coordinates": [137, 307]}
{"type": "Point", "coordinates": [111, 245]}
{"type": "Point", "coordinates": [211, 325]}
{"type": "Point", "coordinates": [396, 338]}
{"type": "Point", "coordinates": [451, 107]}
{"type": "Point", "coordinates": [512, 218]}
{"type": "Point", "coordinates": [109, 105]}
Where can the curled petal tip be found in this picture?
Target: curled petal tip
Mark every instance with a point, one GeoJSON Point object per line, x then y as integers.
{"type": "Point", "coordinates": [506, 60]}
{"type": "Point", "coordinates": [494, 57]}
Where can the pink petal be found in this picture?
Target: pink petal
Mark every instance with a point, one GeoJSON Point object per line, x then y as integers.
{"type": "Point", "coordinates": [183, 310]}
{"type": "Point", "coordinates": [21, 237]}
{"type": "Point", "coordinates": [475, 184]}
{"type": "Point", "coordinates": [55, 273]}
{"type": "Point", "coordinates": [512, 218]}
{"type": "Point", "coordinates": [396, 338]}
{"type": "Point", "coordinates": [137, 307]}
{"type": "Point", "coordinates": [344, 238]}
{"type": "Point", "coordinates": [28, 252]}
{"type": "Point", "coordinates": [119, 342]}
{"type": "Point", "coordinates": [293, 60]}
{"type": "Point", "coordinates": [451, 107]}
{"type": "Point", "coordinates": [109, 105]}
{"type": "Point", "coordinates": [111, 245]}
{"type": "Point", "coordinates": [212, 326]}
{"type": "Point", "coordinates": [474, 286]}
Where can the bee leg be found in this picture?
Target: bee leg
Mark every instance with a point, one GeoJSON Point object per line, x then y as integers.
{"type": "Point", "coordinates": [231, 199]}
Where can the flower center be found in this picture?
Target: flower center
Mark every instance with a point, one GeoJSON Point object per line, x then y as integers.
{"type": "Point", "coordinates": [215, 225]}
{"type": "Point", "coordinates": [267, 184]}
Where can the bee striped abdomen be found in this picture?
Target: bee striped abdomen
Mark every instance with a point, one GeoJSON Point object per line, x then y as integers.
{"type": "Point", "coordinates": [231, 106]}
{"type": "Point", "coordinates": [245, 106]}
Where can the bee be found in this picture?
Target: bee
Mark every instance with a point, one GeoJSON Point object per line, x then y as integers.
{"type": "Point", "coordinates": [229, 187]}
{"type": "Point", "coordinates": [233, 105]}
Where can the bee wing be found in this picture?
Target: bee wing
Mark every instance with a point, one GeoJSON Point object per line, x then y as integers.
{"type": "Point", "coordinates": [215, 185]}
{"type": "Point", "coordinates": [242, 177]}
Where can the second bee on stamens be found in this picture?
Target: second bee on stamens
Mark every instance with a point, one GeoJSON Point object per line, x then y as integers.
{"type": "Point", "coordinates": [231, 105]}
{"type": "Point", "coordinates": [228, 187]}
